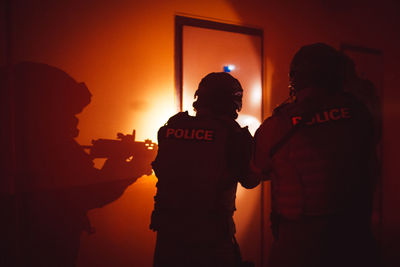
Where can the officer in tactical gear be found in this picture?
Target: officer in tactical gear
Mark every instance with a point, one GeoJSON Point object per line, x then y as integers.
{"type": "Point", "coordinates": [56, 183]}
{"type": "Point", "coordinates": [200, 160]}
{"type": "Point", "coordinates": [316, 149]}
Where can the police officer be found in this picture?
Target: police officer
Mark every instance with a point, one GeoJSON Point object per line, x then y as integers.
{"type": "Point", "coordinates": [199, 163]}
{"type": "Point", "coordinates": [316, 149]}
{"type": "Point", "coordinates": [56, 182]}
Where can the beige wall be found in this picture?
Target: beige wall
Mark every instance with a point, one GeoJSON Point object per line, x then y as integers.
{"type": "Point", "coordinates": [124, 52]}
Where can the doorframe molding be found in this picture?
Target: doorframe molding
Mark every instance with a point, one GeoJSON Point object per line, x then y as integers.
{"type": "Point", "coordinates": [180, 22]}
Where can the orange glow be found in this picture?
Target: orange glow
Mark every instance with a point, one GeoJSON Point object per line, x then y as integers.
{"type": "Point", "coordinates": [162, 108]}
{"type": "Point", "coordinates": [249, 121]}
{"type": "Point", "coordinates": [256, 94]}
{"type": "Point", "coordinates": [248, 205]}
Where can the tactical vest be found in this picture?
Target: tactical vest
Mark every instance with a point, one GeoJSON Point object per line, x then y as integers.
{"type": "Point", "coordinates": [195, 178]}
{"type": "Point", "coordinates": [322, 168]}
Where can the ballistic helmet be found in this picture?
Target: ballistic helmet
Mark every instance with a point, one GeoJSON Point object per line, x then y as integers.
{"type": "Point", "coordinates": [47, 100]}
{"type": "Point", "coordinates": [49, 90]}
{"type": "Point", "coordinates": [318, 66]}
{"type": "Point", "coordinates": [221, 93]}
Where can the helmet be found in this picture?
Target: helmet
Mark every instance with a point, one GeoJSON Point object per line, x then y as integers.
{"type": "Point", "coordinates": [318, 66]}
{"type": "Point", "coordinates": [47, 100]}
{"type": "Point", "coordinates": [219, 92]}
{"type": "Point", "coordinates": [49, 89]}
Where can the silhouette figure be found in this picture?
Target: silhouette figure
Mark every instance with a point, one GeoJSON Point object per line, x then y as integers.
{"type": "Point", "coordinates": [56, 182]}
{"type": "Point", "coordinates": [317, 149]}
{"type": "Point", "coordinates": [200, 160]}
{"type": "Point", "coordinates": [365, 91]}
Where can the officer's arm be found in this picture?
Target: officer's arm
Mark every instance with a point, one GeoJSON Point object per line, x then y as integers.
{"type": "Point", "coordinates": [245, 150]}
{"type": "Point", "coordinates": [265, 138]}
{"type": "Point", "coordinates": [251, 180]}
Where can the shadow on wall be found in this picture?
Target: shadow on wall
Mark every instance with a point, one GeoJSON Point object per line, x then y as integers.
{"type": "Point", "coordinates": [55, 184]}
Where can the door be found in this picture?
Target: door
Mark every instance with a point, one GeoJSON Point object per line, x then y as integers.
{"type": "Point", "coordinates": [206, 46]}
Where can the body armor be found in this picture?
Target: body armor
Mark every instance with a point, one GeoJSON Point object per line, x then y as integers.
{"type": "Point", "coordinates": [321, 169]}
{"type": "Point", "coordinates": [200, 160]}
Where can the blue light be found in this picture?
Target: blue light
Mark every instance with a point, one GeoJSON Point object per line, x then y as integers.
{"type": "Point", "coordinates": [229, 68]}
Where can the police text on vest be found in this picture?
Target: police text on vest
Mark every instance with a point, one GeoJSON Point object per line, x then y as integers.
{"type": "Point", "coordinates": [190, 134]}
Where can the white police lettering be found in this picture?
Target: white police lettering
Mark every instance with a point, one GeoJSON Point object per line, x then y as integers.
{"type": "Point", "coordinates": [333, 114]}
{"type": "Point", "coordinates": [190, 134]}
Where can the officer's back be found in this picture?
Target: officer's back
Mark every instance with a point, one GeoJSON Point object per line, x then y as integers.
{"type": "Point", "coordinates": [317, 152]}
{"type": "Point", "coordinates": [199, 162]}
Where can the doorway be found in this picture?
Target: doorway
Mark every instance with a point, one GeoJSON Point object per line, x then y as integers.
{"type": "Point", "coordinates": [201, 47]}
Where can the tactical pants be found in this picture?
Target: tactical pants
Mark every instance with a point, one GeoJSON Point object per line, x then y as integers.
{"type": "Point", "coordinates": [186, 251]}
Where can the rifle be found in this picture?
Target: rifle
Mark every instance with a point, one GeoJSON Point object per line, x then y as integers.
{"type": "Point", "coordinates": [124, 147]}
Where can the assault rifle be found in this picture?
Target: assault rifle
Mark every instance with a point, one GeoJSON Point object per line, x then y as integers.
{"type": "Point", "coordinates": [124, 147]}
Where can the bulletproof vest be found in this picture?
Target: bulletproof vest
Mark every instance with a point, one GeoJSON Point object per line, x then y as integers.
{"type": "Point", "coordinates": [192, 166]}
{"type": "Point", "coordinates": [323, 167]}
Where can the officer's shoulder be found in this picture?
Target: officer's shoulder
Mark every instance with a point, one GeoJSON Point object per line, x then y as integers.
{"type": "Point", "coordinates": [352, 98]}
{"type": "Point", "coordinates": [178, 117]}
{"type": "Point", "coordinates": [276, 121]}
{"type": "Point", "coordinates": [358, 106]}
{"type": "Point", "coordinates": [175, 119]}
{"type": "Point", "coordinates": [229, 124]}
{"type": "Point", "coordinates": [354, 102]}
{"type": "Point", "coordinates": [282, 108]}
{"type": "Point", "coordinates": [240, 135]}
